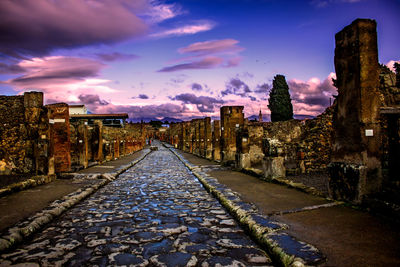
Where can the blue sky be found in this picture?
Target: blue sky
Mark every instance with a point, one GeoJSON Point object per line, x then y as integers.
{"type": "Point", "coordinates": [181, 59]}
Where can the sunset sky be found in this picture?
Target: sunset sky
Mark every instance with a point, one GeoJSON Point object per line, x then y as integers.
{"type": "Point", "coordinates": [181, 59]}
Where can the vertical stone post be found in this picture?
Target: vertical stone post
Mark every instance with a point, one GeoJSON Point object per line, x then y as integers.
{"type": "Point", "coordinates": [83, 144]}
{"type": "Point", "coordinates": [37, 122]}
{"type": "Point", "coordinates": [60, 140]}
{"type": "Point", "coordinates": [216, 136]}
{"type": "Point", "coordinates": [355, 170]}
{"type": "Point", "coordinates": [232, 120]}
{"type": "Point", "coordinates": [99, 131]}
{"type": "Point", "coordinates": [242, 149]}
{"type": "Point", "coordinates": [208, 138]}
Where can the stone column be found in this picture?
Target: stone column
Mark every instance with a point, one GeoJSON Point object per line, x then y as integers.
{"type": "Point", "coordinates": [208, 138]}
{"type": "Point", "coordinates": [99, 132]}
{"type": "Point", "coordinates": [60, 142]}
{"type": "Point", "coordinates": [216, 136]}
{"type": "Point", "coordinates": [232, 120]}
{"type": "Point", "coordinates": [355, 170]}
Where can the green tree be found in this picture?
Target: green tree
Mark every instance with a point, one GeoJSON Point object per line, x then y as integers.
{"type": "Point", "coordinates": [280, 103]}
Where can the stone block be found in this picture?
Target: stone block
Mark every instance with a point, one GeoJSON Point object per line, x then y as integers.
{"type": "Point", "coordinates": [274, 167]}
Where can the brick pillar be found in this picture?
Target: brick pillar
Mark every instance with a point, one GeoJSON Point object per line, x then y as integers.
{"type": "Point", "coordinates": [60, 142]}
{"type": "Point", "coordinates": [232, 120]}
{"type": "Point", "coordinates": [216, 136]}
{"type": "Point", "coordinates": [355, 170]}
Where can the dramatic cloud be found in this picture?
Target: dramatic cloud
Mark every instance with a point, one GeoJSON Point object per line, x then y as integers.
{"type": "Point", "coordinates": [311, 97]}
{"type": "Point", "coordinates": [185, 30]}
{"type": "Point", "coordinates": [197, 87]}
{"type": "Point", "coordinates": [236, 87]}
{"type": "Point", "coordinates": [226, 57]}
{"type": "Point", "coordinates": [38, 27]}
{"type": "Point", "coordinates": [11, 69]}
{"type": "Point", "coordinates": [57, 68]}
{"type": "Point", "coordinates": [205, 63]}
{"type": "Point", "coordinates": [203, 103]}
{"type": "Point", "coordinates": [116, 56]}
{"type": "Point", "coordinates": [212, 47]}
{"type": "Point", "coordinates": [141, 112]}
{"type": "Point", "coordinates": [142, 96]}
{"type": "Point", "coordinates": [263, 89]}
{"type": "Point", "coordinates": [61, 78]}
{"type": "Point", "coordinates": [92, 100]}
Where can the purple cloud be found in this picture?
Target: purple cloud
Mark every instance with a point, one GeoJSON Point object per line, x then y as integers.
{"type": "Point", "coordinates": [92, 100]}
{"type": "Point", "coordinates": [203, 103]}
{"type": "Point", "coordinates": [263, 89]}
{"type": "Point", "coordinates": [197, 87]}
{"type": "Point", "coordinates": [38, 27]}
{"type": "Point", "coordinates": [116, 56]}
{"type": "Point", "coordinates": [236, 87]}
{"type": "Point", "coordinates": [312, 95]}
{"type": "Point", "coordinates": [143, 96]}
{"type": "Point", "coordinates": [138, 112]}
{"type": "Point", "coordinates": [11, 69]}
{"type": "Point", "coordinates": [212, 47]}
{"type": "Point", "coordinates": [205, 63]}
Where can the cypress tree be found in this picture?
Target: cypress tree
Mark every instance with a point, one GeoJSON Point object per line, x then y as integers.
{"type": "Point", "coordinates": [280, 103]}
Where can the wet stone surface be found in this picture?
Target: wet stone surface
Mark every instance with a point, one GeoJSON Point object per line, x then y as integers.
{"type": "Point", "coordinates": [155, 214]}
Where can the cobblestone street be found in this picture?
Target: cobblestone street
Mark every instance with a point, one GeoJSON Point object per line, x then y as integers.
{"type": "Point", "coordinates": [155, 214]}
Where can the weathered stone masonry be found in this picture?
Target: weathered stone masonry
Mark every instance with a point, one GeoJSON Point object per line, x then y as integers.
{"type": "Point", "coordinates": [357, 138]}
{"type": "Point", "coordinates": [37, 139]}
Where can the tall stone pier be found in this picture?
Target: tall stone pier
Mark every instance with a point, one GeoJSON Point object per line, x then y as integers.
{"type": "Point", "coordinates": [232, 121]}
{"type": "Point", "coordinates": [355, 169]}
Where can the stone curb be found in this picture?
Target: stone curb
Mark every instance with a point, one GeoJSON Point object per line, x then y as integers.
{"type": "Point", "coordinates": [31, 182]}
{"type": "Point", "coordinates": [25, 229]}
{"type": "Point", "coordinates": [282, 248]}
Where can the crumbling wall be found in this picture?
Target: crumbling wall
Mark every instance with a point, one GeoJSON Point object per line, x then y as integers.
{"type": "Point", "coordinates": [23, 134]}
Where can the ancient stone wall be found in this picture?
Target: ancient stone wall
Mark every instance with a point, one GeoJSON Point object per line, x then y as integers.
{"type": "Point", "coordinates": [23, 134]}
{"type": "Point", "coordinates": [115, 142]}
{"type": "Point", "coordinates": [357, 139]}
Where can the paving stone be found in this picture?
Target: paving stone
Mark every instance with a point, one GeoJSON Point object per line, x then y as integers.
{"type": "Point", "coordinates": [156, 213]}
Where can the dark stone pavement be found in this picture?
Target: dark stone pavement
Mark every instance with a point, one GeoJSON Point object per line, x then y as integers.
{"type": "Point", "coordinates": [155, 214]}
{"type": "Point", "coordinates": [23, 204]}
{"type": "Point", "coordinates": [346, 236]}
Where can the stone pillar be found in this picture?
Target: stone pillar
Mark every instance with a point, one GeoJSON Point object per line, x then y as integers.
{"type": "Point", "coordinates": [37, 121]}
{"type": "Point", "coordinates": [216, 136]}
{"type": "Point", "coordinates": [208, 138]}
{"type": "Point", "coordinates": [202, 138]}
{"type": "Point", "coordinates": [232, 120]}
{"type": "Point", "coordinates": [242, 149]}
{"type": "Point", "coordinates": [355, 169]}
{"type": "Point", "coordinates": [83, 144]}
{"type": "Point", "coordinates": [99, 134]}
{"type": "Point", "coordinates": [60, 142]}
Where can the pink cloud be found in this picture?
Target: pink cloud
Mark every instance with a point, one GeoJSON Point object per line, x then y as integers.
{"type": "Point", "coordinates": [61, 78]}
{"type": "Point", "coordinates": [211, 47]}
{"type": "Point", "coordinates": [311, 97]}
{"type": "Point", "coordinates": [390, 64]}
{"type": "Point", "coordinates": [185, 30]}
{"type": "Point", "coordinates": [226, 55]}
{"type": "Point", "coordinates": [205, 63]}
